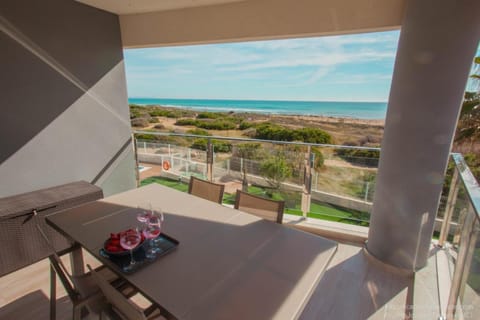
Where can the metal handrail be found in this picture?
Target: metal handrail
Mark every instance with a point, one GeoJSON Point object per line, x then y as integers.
{"type": "Point", "coordinates": [468, 240]}
{"type": "Point", "coordinates": [472, 187]}
{"type": "Point", "coordinates": [186, 135]}
{"type": "Point", "coordinates": [307, 189]}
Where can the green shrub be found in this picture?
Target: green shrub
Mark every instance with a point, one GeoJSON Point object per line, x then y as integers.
{"type": "Point", "coordinates": [216, 125]}
{"type": "Point", "coordinates": [139, 122]}
{"type": "Point", "coordinates": [134, 113]}
{"type": "Point", "coordinates": [312, 135]}
{"type": "Point", "coordinates": [473, 162]}
{"type": "Point", "coordinates": [210, 115]}
{"type": "Point", "coordinates": [319, 159]}
{"type": "Point", "coordinates": [218, 145]}
{"type": "Point", "coordinates": [199, 132]}
{"type": "Point", "coordinates": [171, 114]}
{"type": "Point", "coordinates": [157, 112]}
{"type": "Point", "coordinates": [200, 144]}
{"type": "Point", "coordinates": [269, 131]}
{"type": "Point", "coordinates": [359, 156]}
{"type": "Point", "coordinates": [221, 146]}
{"type": "Point", "coordinates": [250, 133]}
{"type": "Point", "coordinates": [275, 170]}
{"type": "Point", "coordinates": [147, 137]}
{"type": "Point", "coordinates": [159, 126]}
{"type": "Point", "coordinates": [137, 111]}
{"type": "Point", "coordinates": [248, 150]}
{"type": "Point", "coordinates": [245, 125]}
{"type": "Point", "coordinates": [186, 122]}
{"type": "Point", "coordinates": [153, 120]}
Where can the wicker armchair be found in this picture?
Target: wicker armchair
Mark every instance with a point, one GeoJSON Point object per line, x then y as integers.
{"type": "Point", "coordinates": [264, 208]}
{"type": "Point", "coordinates": [206, 190]}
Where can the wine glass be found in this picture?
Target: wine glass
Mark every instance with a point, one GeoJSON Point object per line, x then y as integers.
{"type": "Point", "coordinates": [129, 240]}
{"type": "Point", "coordinates": [156, 222]}
{"type": "Point", "coordinates": [158, 213]}
{"type": "Point", "coordinates": [150, 232]}
{"type": "Point", "coordinates": [145, 211]}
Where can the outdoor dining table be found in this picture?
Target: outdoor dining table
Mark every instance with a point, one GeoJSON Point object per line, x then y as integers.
{"type": "Point", "coordinates": [228, 265]}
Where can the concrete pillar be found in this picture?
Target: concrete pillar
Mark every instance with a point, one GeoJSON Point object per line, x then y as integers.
{"type": "Point", "coordinates": [437, 44]}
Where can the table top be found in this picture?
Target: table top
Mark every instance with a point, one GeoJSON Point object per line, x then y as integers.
{"type": "Point", "coordinates": [229, 264]}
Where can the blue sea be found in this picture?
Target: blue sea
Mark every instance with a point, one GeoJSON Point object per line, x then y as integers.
{"type": "Point", "coordinates": [360, 110]}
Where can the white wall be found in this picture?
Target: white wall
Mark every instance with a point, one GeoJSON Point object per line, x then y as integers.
{"type": "Point", "coordinates": [64, 103]}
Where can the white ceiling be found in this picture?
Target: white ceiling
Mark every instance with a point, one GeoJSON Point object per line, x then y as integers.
{"type": "Point", "coordinates": [143, 6]}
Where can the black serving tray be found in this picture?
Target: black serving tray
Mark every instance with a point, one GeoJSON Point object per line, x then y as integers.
{"type": "Point", "coordinates": [166, 244]}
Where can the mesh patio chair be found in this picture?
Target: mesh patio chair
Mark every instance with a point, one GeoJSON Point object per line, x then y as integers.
{"type": "Point", "coordinates": [120, 306]}
{"type": "Point", "coordinates": [81, 289]}
{"type": "Point", "coordinates": [264, 208]}
{"type": "Point", "coordinates": [206, 190]}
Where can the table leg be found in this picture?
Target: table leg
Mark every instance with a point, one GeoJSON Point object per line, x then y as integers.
{"type": "Point", "coordinates": [53, 293]}
{"type": "Point", "coordinates": [77, 313]}
{"type": "Point", "coordinates": [78, 268]}
{"type": "Point", "coordinates": [76, 261]}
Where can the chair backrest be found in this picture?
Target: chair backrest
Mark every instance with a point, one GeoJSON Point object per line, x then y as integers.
{"type": "Point", "coordinates": [124, 307]}
{"type": "Point", "coordinates": [264, 208]}
{"type": "Point", "coordinates": [206, 190]}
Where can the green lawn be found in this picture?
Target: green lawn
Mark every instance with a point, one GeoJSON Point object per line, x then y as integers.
{"type": "Point", "coordinates": [331, 213]}
{"type": "Point", "coordinates": [230, 198]}
{"type": "Point", "coordinates": [175, 184]}
{"type": "Point", "coordinates": [317, 210]}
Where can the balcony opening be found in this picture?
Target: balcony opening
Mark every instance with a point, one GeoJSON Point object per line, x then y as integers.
{"type": "Point", "coordinates": [315, 108]}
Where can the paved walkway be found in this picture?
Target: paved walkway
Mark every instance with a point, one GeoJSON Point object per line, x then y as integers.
{"type": "Point", "coordinates": [155, 170]}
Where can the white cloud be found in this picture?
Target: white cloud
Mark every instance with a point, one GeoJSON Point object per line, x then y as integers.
{"type": "Point", "coordinates": [205, 55]}
{"type": "Point", "coordinates": [360, 78]}
{"type": "Point", "coordinates": [306, 58]}
{"type": "Point", "coordinates": [319, 74]}
{"type": "Point", "coordinates": [332, 41]}
{"type": "Point", "coordinates": [323, 52]}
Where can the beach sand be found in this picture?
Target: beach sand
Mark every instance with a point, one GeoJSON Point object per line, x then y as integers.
{"type": "Point", "coordinates": [343, 130]}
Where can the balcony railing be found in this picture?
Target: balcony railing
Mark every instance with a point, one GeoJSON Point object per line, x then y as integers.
{"type": "Point", "coordinates": [461, 227]}
{"type": "Point", "coordinates": [329, 182]}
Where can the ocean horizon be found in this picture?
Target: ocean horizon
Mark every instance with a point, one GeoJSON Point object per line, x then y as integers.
{"type": "Point", "coordinates": [346, 109]}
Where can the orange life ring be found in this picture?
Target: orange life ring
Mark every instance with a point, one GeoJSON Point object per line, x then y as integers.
{"type": "Point", "coordinates": [166, 165]}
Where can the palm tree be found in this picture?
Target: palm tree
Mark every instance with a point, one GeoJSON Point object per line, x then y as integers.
{"type": "Point", "coordinates": [467, 137]}
{"type": "Point", "coordinates": [468, 128]}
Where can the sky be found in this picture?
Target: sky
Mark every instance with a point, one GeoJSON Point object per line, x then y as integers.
{"type": "Point", "coordinates": [335, 68]}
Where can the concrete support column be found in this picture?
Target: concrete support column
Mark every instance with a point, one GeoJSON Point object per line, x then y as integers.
{"type": "Point", "coordinates": [437, 44]}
